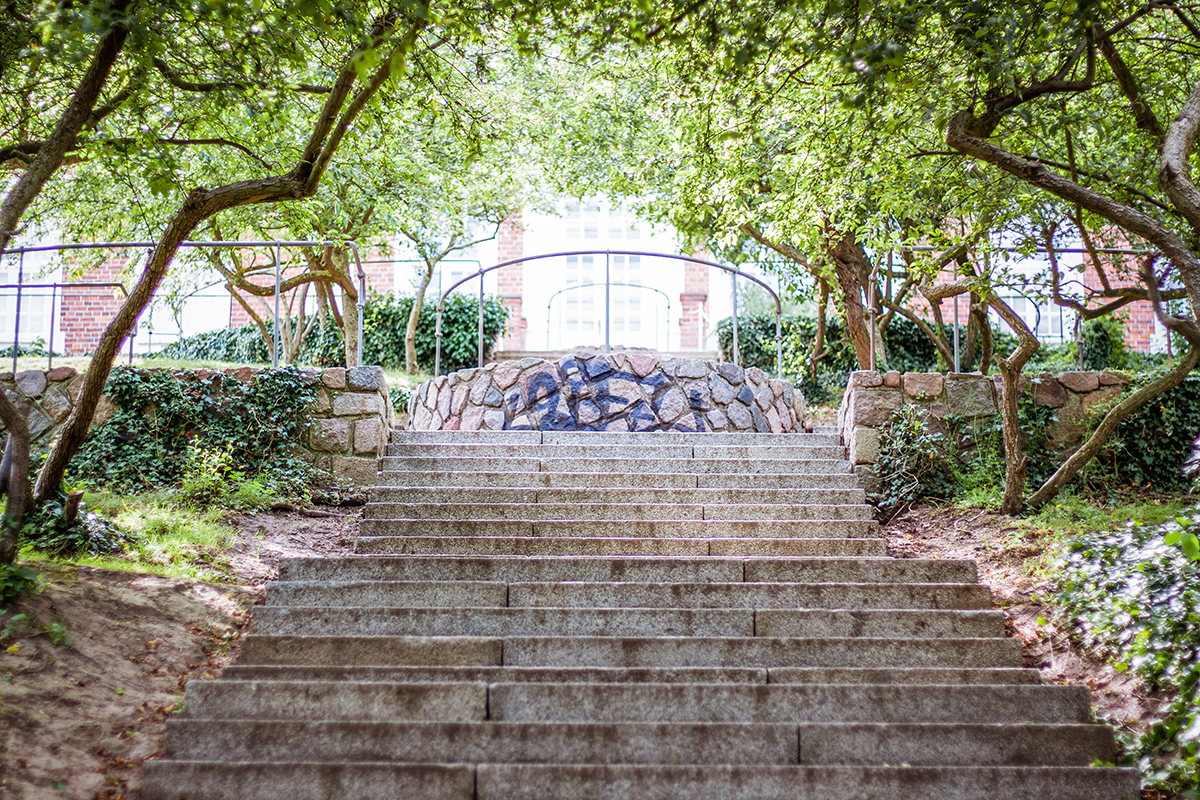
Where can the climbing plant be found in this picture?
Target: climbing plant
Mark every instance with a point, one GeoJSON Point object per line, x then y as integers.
{"type": "Point", "coordinates": [162, 417]}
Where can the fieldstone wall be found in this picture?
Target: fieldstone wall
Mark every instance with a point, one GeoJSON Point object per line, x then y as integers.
{"type": "Point", "coordinates": [615, 392]}
{"type": "Point", "coordinates": [351, 417]}
{"type": "Point", "coordinates": [351, 420]}
{"type": "Point", "coordinates": [872, 397]}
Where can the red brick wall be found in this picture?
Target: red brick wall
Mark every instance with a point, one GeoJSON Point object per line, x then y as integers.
{"type": "Point", "coordinates": [510, 243]}
{"type": "Point", "coordinates": [693, 303]}
{"type": "Point", "coordinates": [86, 311]}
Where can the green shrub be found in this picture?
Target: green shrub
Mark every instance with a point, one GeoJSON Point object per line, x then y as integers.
{"type": "Point", "coordinates": [385, 318]}
{"type": "Point", "coordinates": [400, 396]}
{"type": "Point", "coordinates": [46, 531]}
{"type": "Point", "coordinates": [161, 418]}
{"type": "Point", "coordinates": [243, 345]}
{"type": "Point", "coordinates": [15, 580]}
{"type": "Point", "coordinates": [1150, 445]}
{"type": "Point", "coordinates": [915, 461]}
{"type": "Point", "coordinates": [1103, 344]}
{"type": "Point", "coordinates": [958, 459]}
{"type": "Point", "coordinates": [1137, 598]}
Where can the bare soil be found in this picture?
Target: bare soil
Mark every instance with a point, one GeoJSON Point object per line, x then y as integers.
{"type": "Point", "coordinates": [1008, 558]}
{"type": "Point", "coordinates": [78, 720]}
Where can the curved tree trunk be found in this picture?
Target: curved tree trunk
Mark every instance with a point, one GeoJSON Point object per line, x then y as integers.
{"type": "Point", "coordinates": [847, 255]}
{"type": "Point", "coordinates": [414, 316]}
{"type": "Point", "coordinates": [14, 478]}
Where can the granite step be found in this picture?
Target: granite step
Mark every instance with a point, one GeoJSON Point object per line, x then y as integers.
{"type": "Point", "coordinates": [222, 780]}
{"type": "Point", "coordinates": [616, 546]}
{"type": "Point", "coordinates": [764, 782]}
{"type": "Point", "coordinates": [617, 569]}
{"type": "Point", "coordinates": [494, 478]}
{"type": "Point", "coordinates": [864, 599]}
{"type": "Point", "coordinates": [826, 438]}
{"type": "Point", "coordinates": [754, 675]}
{"type": "Point", "coordinates": [475, 742]}
{"type": "Point", "coordinates": [634, 702]}
{"type": "Point", "coordinates": [625, 528]}
{"type": "Point", "coordinates": [708, 466]}
{"type": "Point", "coordinates": [548, 621]}
{"type": "Point", "coordinates": [647, 512]}
{"type": "Point", "coordinates": [515, 494]}
{"type": "Point", "coordinates": [860, 744]}
{"type": "Point", "coordinates": [630, 652]}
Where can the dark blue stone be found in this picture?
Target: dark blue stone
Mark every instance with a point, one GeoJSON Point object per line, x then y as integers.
{"type": "Point", "coordinates": [643, 417]}
{"type": "Point", "coordinates": [746, 395]}
{"type": "Point", "coordinates": [597, 367]}
{"type": "Point", "coordinates": [655, 380]}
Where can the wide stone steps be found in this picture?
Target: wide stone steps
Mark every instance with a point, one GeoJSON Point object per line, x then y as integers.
{"type": "Point", "coordinates": [477, 497]}
{"type": "Point", "coordinates": [498, 741]}
{"type": "Point", "coordinates": [615, 480]}
{"type": "Point", "coordinates": [630, 651]}
{"type": "Point", "coordinates": [752, 675]}
{"type": "Point", "coordinates": [306, 780]}
{"type": "Point", "coordinates": [653, 512]}
{"type": "Point", "coordinates": [629, 616]}
{"type": "Point", "coordinates": [490, 544]}
{"type": "Point", "coordinates": [626, 621]}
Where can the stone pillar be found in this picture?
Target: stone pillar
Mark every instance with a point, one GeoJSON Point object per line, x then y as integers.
{"type": "Point", "coordinates": [693, 302]}
{"type": "Point", "coordinates": [511, 282]}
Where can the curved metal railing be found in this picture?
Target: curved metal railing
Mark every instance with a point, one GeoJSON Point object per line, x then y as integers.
{"type": "Point", "coordinates": [437, 361]}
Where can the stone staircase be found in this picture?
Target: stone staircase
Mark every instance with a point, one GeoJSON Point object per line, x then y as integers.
{"type": "Point", "coordinates": [629, 616]}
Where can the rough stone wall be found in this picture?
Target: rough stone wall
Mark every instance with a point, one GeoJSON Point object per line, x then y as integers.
{"type": "Point", "coordinates": [871, 398]}
{"type": "Point", "coordinates": [351, 417]}
{"type": "Point", "coordinates": [616, 392]}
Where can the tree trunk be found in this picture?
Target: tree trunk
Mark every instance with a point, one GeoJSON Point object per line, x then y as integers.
{"type": "Point", "coordinates": [818, 345]}
{"type": "Point", "coordinates": [414, 316]}
{"type": "Point", "coordinates": [1109, 424]}
{"type": "Point", "coordinates": [846, 253]}
{"type": "Point", "coordinates": [14, 478]}
{"type": "Point", "coordinates": [1016, 463]}
{"type": "Point", "coordinates": [349, 320]}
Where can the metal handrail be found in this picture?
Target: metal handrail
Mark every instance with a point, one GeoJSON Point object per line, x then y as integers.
{"type": "Point", "coordinates": [666, 297]}
{"type": "Point", "coordinates": [276, 244]}
{"type": "Point", "coordinates": [437, 361]}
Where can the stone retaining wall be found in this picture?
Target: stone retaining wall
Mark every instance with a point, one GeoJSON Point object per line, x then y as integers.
{"type": "Point", "coordinates": [872, 397]}
{"type": "Point", "coordinates": [351, 417]}
{"type": "Point", "coordinates": [616, 392]}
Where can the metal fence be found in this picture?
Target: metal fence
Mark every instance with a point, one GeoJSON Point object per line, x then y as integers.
{"type": "Point", "coordinates": [276, 247]}
{"type": "Point", "coordinates": [608, 284]}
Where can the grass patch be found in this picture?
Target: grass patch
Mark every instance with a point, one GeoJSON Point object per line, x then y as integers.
{"type": "Point", "coordinates": [169, 538]}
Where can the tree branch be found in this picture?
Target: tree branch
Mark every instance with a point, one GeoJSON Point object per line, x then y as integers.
{"type": "Point", "coordinates": [962, 135]}
{"type": "Point", "coordinates": [176, 80]}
